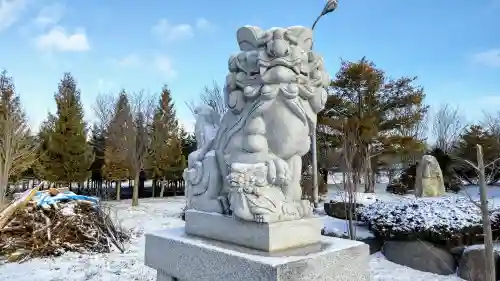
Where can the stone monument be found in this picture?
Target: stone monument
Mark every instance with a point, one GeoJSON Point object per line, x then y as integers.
{"type": "Point", "coordinates": [245, 217]}
{"type": "Point", "coordinates": [429, 179]}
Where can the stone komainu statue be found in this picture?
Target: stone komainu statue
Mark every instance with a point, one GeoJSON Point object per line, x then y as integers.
{"type": "Point", "coordinates": [252, 166]}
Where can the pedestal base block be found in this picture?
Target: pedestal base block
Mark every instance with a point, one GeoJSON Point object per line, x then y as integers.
{"type": "Point", "coordinates": [179, 256]}
{"type": "Point", "coordinates": [270, 237]}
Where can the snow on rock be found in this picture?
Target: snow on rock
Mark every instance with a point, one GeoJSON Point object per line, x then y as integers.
{"type": "Point", "coordinates": [337, 178]}
{"type": "Point", "coordinates": [359, 197]}
{"type": "Point", "coordinates": [340, 228]}
{"type": "Point", "coordinates": [434, 215]}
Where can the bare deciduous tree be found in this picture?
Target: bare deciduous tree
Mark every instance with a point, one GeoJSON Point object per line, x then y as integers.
{"type": "Point", "coordinates": [483, 206]}
{"type": "Point", "coordinates": [352, 172]}
{"type": "Point", "coordinates": [447, 126]}
{"type": "Point", "coordinates": [142, 107]}
{"type": "Point", "coordinates": [349, 157]}
{"type": "Point", "coordinates": [104, 109]}
{"type": "Point", "coordinates": [213, 97]}
{"type": "Point", "coordinates": [128, 119]}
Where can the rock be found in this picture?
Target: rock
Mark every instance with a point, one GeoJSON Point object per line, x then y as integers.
{"type": "Point", "coordinates": [420, 255]}
{"type": "Point", "coordinates": [429, 181]}
{"type": "Point", "coordinates": [397, 188]}
{"type": "Point", "coordinates": [472, 264]}
{"type": "Point", "coordinates": [459, 250]}
{"type": "Point", "coordinates": [374, 243]}
{"type": "Point", "coordinates": [339, 210]}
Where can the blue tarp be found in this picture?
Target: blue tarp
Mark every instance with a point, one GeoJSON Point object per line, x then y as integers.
{"type": "Point", "coordinates": [44, 199]}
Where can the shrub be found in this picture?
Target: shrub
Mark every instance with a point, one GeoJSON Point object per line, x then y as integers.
{"type": "Point", "coordinates": [436, 220]}
{"type": "Point", "coordinates": [397, 188]}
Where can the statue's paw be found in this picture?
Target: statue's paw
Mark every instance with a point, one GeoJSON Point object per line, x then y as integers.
{"type": "Point", "coordinates": [306, 208]}
{"type": "Point", "coordinates": [278, 172]}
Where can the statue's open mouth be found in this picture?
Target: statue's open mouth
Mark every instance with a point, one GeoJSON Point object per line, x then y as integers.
{"type": "Point", "coordinates": [294, 65]}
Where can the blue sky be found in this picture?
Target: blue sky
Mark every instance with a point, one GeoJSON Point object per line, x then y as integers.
{"type": "Point", "coordinates": [453, 46]}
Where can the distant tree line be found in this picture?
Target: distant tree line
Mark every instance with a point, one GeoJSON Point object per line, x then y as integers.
{"type": "Point", "coordinates": [135, 136]}
{"type": "Point", "coordinates": [371, 123]}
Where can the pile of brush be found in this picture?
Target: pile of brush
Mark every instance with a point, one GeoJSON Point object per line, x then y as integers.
{"type": "Point", "coordinates": [69, 225]}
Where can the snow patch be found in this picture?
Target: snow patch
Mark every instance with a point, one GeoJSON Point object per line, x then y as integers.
{"type": "Point", "coordinates": [340, 228]}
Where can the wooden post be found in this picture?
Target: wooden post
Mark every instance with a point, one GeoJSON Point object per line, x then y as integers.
{"type": "Point", "coordinates": [488, 240]}
{"type": "Point", "coordinates": [315, 169]}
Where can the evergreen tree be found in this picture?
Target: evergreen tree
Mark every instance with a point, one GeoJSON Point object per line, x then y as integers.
{"type": "Point", "coordinates": [17, 145]}
{"type": "Point", "coordinates": [118, 136]}
{"type": "Point", "coordinates": [188, 142]}
{"type": "Point", "coordinates": [165, 152]}
{"type": "Point", "coordinates": [68, 154]}
{"type": "Point", "coordinates": [42, 168]}
{"type": "Point", "coordinates": [363, 101]}
{"type": "Point", "coordinates": [466, 150]}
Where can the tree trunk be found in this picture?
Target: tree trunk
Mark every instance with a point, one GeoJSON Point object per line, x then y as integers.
{"type": "Point", "coordinates": [118, 189]}
{"type": "Point", "coordinates": [155, 182]}
{"type": "Point", "coordinates": [135, 190]}
{"type": "Point", "coordinates": [488, 236]}
{"type": "Point", "coordinates": [350, 187]}
{"type": "Point", "coordinates": [162, 190]}
{"type": "Point", "coordinates": [3, 191]}
{"type": "Point", "coordinates": [369, 178]}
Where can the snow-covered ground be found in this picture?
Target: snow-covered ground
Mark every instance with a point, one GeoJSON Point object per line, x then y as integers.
{"type": "Point", "coordinates": [150, 215]}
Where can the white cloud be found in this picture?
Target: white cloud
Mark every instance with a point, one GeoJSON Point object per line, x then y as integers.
{"type": "Point", "coordinates": [172, 32]}
{"type": "Point", "coordinates": [10, 11]}
{"type": "Point", "coordinates": [164, 65]}
{"type": "Point", "coordinates": [129, 60]}
{"type": "Point", "coordinates": [50, 15]}
{"type": "Point", "coordinates": [204, 24]}
{"type": "Point", "coordinates": [489, 58]}
{"type": "Point", "coordinates": [57, 39]}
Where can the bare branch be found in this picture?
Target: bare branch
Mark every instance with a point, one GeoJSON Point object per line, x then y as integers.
{"type": "Point", "coordinates": [471, 164]}
{"type": "Point", "coordinates": [447, 127]}
{"type": "Point", "coordinates": [104, 109]}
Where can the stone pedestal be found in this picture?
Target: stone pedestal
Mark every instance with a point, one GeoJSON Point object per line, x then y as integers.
{"type": "Point", "coordinates": [180, 256]}
{"type": "Point", "coordinates": [265, 237]}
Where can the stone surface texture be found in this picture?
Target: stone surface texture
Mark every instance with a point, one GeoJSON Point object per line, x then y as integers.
{"type": "Point", "coordinates": [429, 179]}
{"type": "Point", "coordinates": [178, 256]}
{"type": "Point", "coordinates": [270, 237]}
{"type": "Point", "coordinates": [420, 255]}
{"type": "Point", "coordinates": [248, 160]}
{"type": "Point", "coordinates": [471, 266]}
